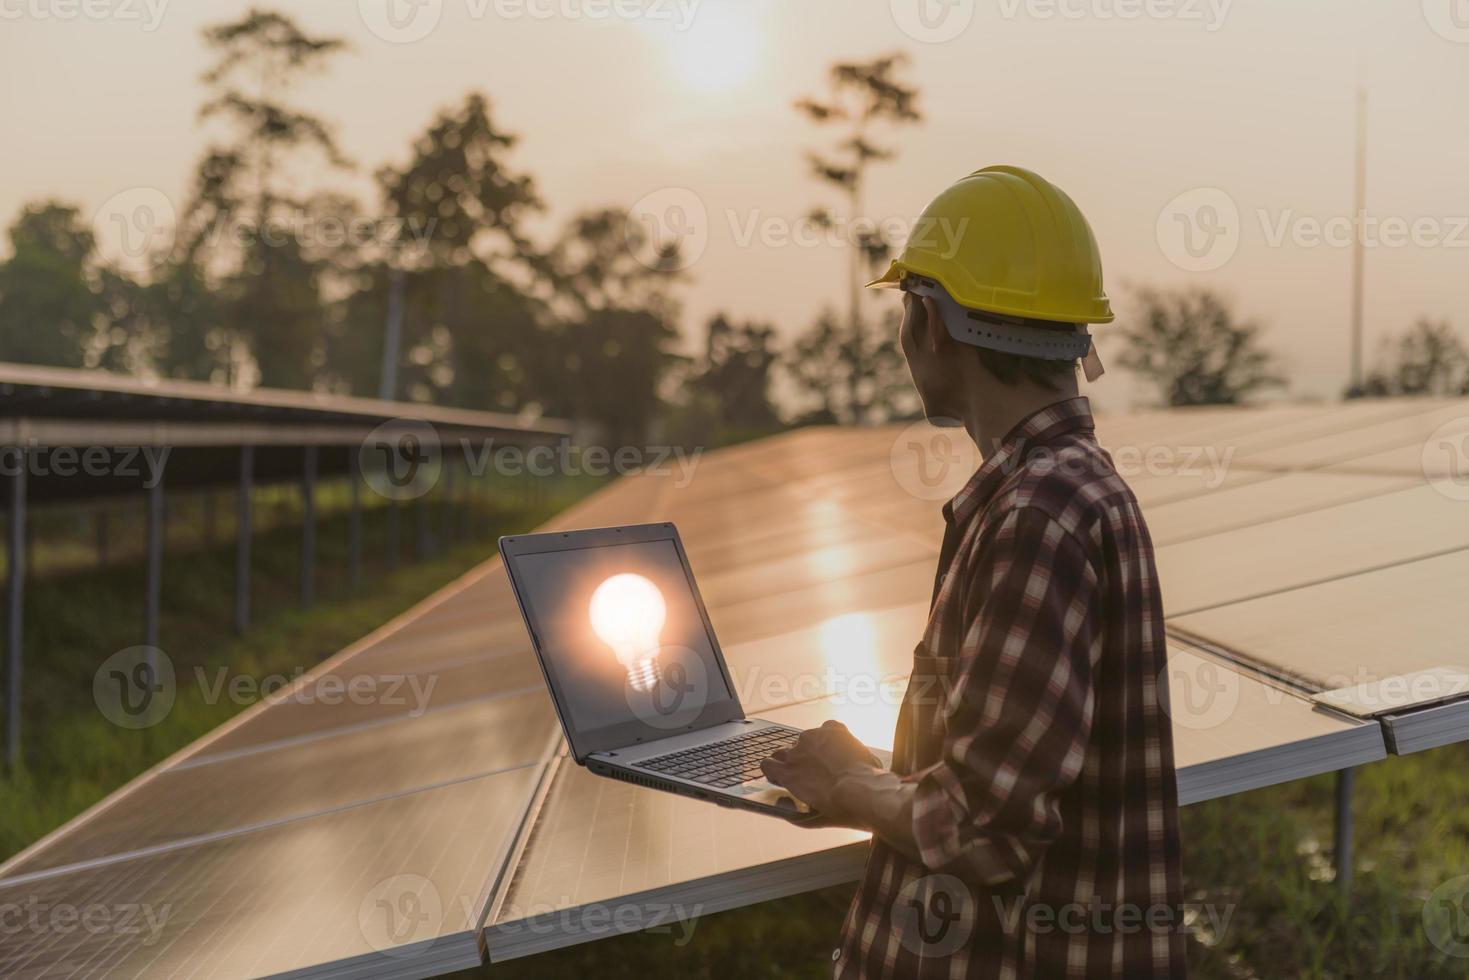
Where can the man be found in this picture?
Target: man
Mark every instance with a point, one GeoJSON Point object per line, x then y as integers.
{"type": "Point", "coordinates": [1029, 825]}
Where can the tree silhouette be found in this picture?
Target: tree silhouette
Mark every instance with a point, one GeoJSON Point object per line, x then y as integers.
{"type": "Point", "coordinates": [1429, 358]}
{"type": "Point", "coordinates": [732, 378]}
{"type": "Point", "coordinates": [846, 385]}
{"type": "Point", "coordinates": [614, 329]}
{"type": "Point", "coordinates": [863, 100]}
{"type": "Point", "coordinates": [50, 305]}
{"type": "Point", "coordinates": [272, 282]}
{"type": "Point", "coordinates": [1190, 347]}
{"type": "Point", "coordinates": [472, 329]}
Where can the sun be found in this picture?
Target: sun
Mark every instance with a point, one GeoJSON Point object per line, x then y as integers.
{"type": "Point", "coordinates": [719, 52]}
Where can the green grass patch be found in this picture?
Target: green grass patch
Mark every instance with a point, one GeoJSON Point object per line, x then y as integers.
{"type": "Point", "coordinates": [77, 617]}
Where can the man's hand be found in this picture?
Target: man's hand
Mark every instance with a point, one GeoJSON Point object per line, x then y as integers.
{"type": "Point", "coordinates": [811, 769]}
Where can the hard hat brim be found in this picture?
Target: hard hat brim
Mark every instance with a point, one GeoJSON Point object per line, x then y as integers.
{"type": "Point", "coordinates": [888, 280]}
{"type": "Point", "coordinates": [893, 278]}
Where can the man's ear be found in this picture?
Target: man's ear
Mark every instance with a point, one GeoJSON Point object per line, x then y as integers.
{"type": "Point", "coordinates": [938, 331]}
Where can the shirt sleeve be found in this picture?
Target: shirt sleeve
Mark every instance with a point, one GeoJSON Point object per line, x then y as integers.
{"type": "Point", "coordinates": [1019, 717]}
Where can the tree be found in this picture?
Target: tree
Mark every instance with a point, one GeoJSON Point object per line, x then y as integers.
{"type": "Point", "coordinates": [850, 383]}
{"type": "Point", "coordinates": [189, 338]}
{"type": "Point", "coordinates": [611, 354]}
{"type": "Point", "coordinates": [460, 193]}
{"type": "Point", "coordinates": [863, 98]}
{"type": "Point", "coordinates": [272, 282]}
{"type": "Point", "coordinates": [726, 394]}
{"type": "Point", "coordinates": [1429, 358]}
{"type": "Point", "coordinates": [1191, 348]}
{"type": "Point", "coordinates": [735, 371]}
{"type": "Point", "coordinates": [50, 299]}
{"type": "Point", "coordinates": [471, 328]}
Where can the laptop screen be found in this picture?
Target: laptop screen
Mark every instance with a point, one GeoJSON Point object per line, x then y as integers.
{"type": "Point", "coordinates": [622, 635]}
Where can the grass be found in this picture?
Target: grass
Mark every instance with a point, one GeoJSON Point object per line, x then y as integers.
{"type": "Point", "coordinates": [78, 615]}
{"type": "Point", "coordinates": [1261, 858]}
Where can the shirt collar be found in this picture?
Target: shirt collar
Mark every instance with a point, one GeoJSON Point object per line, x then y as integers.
{"type": "Point", "coordinates": [1037, 429]}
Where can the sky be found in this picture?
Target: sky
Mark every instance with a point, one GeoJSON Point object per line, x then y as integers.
{"type": "Point", "coordinates": [1209, 142]}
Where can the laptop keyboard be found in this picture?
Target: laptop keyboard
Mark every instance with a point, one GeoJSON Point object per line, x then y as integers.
{"type": "Point", "coordinates": [725, 763]}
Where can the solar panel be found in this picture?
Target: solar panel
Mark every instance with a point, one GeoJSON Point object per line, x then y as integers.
{"type": "Point", "coordinates": [1266, 497]}
{"type": "Point", "coordinates": [213, 795]}
{"type": "Point", "coordinates": [1389, 621]}
{"type": "Point", "coordinates": [310, 823]}
{"type": "Point", "coordinates": [596, 843]}
{"type": "Point", "coordinates": [1297, 551]}
{"type": "Point", "coordinates": [390, 888]}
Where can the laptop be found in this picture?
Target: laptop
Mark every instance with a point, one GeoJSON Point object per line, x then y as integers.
{"type": "Point", "coordinates": [634, 668]}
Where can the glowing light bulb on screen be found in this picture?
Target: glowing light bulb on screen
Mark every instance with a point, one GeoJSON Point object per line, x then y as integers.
{"type": "Point", "coordinates": [628, 613]}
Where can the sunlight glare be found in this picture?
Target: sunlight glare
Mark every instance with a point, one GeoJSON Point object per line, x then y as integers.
{"type": "Point", "coordinates": [864, 703]}
{"type": "Point", "coordinates": [717, 53]}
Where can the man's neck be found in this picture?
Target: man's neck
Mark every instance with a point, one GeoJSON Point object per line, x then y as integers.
{"type": "Point", "coordinates": [989, 419]}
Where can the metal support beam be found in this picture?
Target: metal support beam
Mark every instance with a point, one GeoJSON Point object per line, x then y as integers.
{"type": "Point", "coordinates": [15, 594]}
{"type": "Point", "coordinates": [482, 504]}
{"type": "Point", "coordinates": [1346, 780]}
{"type": "Point", "coordinates": [354, 524]}
{"type": "Point", "coordinates": [100, 516]}
{"type": "Point", "coordinates": [210, 518]}
{"type": "Point", "coordinates": [395, 523]}
{"type": "Point", "coordinates": [446, 518]}
{"type": "Point", "coordinates": [153, 592]}
{"type": "Point", "coordinates": [308, 527]}
{"type": "Point", "coordinates": [242, 539]}
{"type": "Point", "coordinates": [466, 504]}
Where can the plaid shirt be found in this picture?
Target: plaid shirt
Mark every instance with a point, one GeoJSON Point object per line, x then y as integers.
{"type": "Point", "coordinates": [1036, 729]}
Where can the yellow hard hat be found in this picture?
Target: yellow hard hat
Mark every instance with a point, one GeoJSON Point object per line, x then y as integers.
{"type": "Point", "coordinates": [1005, 240]}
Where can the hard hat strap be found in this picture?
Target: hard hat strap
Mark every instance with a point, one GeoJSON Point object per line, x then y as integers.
{"type": "Point", "coordinates": [1005, 334]}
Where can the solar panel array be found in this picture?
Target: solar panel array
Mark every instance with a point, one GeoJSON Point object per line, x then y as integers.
{"type": "Point", "coordinates": [412, 834]}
